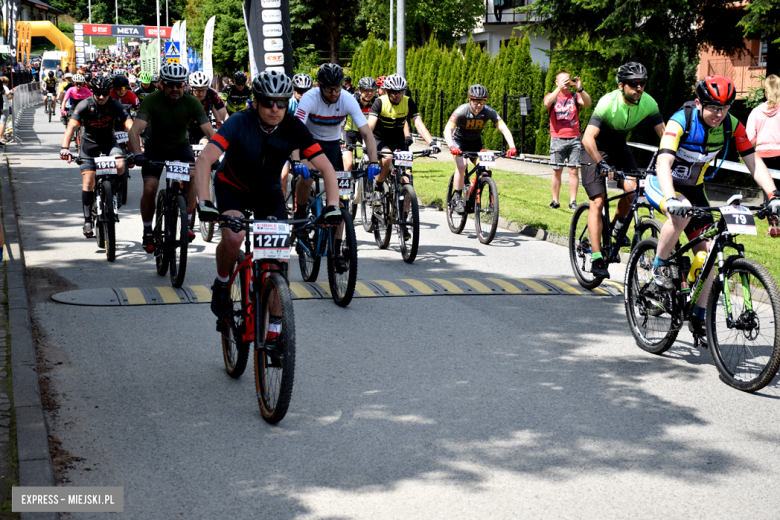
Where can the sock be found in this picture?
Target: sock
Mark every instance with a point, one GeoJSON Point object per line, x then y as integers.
{"type": "Point", "coordinates": [337, 245]}
{"type": "Point", "coordinates": [459, 193]}
{"type": "Point", "coordinates": [699, 311]}
{"type": "Point", "coordinates": [87, 197]}
{"type": "Point", "coordinates": [223, 277]}
{"type": "Point", "coordinates": [595, 256]}
{"type": "Point", "coordinates": [274, 327]}
{"type": "Point", "coordinates": [379, 186]}
{"type": "Point", "coordinates": [148, 226]}
{"type": "Point", "coordinates": [658, 262]}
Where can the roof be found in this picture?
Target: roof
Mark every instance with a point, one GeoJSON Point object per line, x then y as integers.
{"type": "Point", "coordinates": [43, 6]}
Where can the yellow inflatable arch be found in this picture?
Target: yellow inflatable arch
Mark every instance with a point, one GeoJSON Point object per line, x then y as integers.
{"type": "Point", "coordinates": [54, 35]}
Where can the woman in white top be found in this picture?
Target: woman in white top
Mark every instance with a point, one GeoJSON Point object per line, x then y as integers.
{"type": "Point", "coordinates": [7, 97]}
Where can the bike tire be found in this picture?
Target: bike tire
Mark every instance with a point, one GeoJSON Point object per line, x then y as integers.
{"type": "Point", "coordinates": [161, 231]}
{"type": "Point", "coordinates": [647, 228]}
{"type": "Point", "coordinates": [308, 259]}
{"type": "Point", "coordinates": [456, 222]}
{"type": "Point", "coordinates": [207, 228]}
{"type": "Point", "coordinates": [409, 220]}
{"type": "Point", "coordinates": [383, 230]}
{"type": "Point", "coordinates": [580, 249]}
{"type": "Point", "coordinates": [235, 351]}
{"type": "Point", "coordinates": [486, 215]}
{"type": "Point", "coordinates": [274, 361]}
{"type": "Point", "coordinates": [367, 205]}
{"type": "Point", "coordinates": [49, 110]}
{"type": "Point", "coordinates": [342, 284]}
{"type": "Point", "coordinates": [123, 186]}
{"type": "Point", "coordinates": [747, 355]}
{"type": "Point", "coordinates": [179, 241]}
{"type": "Point", "coordinates": [354, 198]}
{"type": "Point", "coordinates": [97, 228]}
{"type": "Point", "coordinates": [108, 224]}
{"type": "Point", "coordinates": [650, 325]}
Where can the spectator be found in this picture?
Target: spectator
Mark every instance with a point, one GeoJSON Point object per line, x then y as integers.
{"type": "Point", "coordinates": [563, 107]}
{"type": "Point", "coordinates": [763, 126]}
{"type": "Point", "coordinates": [58, 73]}
{"type": "Point", "coordinates": [7, 97]}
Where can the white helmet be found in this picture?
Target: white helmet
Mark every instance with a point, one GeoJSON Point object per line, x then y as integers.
{"type": "Point", "coordinates": [173, 72]}
{"type": "Point", "coordinates": [199, 79]}
{"type": "Point", "coordinates": [79, 78]}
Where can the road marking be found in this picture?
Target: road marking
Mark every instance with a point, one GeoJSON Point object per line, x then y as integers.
{"type": "Point", "coordinates": [168, 295]}
{"type": "Point", "coordinates": [563, 285]}
{"type": "Point", "coordinates": [391, 288]}
{"type": "Point", "coordinates": [448, 286]}
{"type": "Point", "coordinates": [300, 290]}
{"type": "Point", "coordinates": [201, 292]}
{"type": "Point", "coordinates": [325, 287]}
{"type": "Point", "coordinates": [134, 296]}
{"type": "Point", "coordinates": [364, 290]}
{"type": "Point", "coordinates": [536, 287]}
{"type": "Point", "coordinates": [417, 284]}
{"type": "Point", "coordinates": [476, 285]}
{"type": "Point", "coordinates": [508, 287]}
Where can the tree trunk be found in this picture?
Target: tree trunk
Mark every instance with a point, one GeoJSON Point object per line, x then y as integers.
{"type": "Point", "coordinates": [332, 20]}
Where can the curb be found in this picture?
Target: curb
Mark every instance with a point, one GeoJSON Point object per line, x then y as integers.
{"type": "Point", "coordinates": [35, 467]}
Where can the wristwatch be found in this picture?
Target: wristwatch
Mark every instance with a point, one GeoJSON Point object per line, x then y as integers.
{"type": "Point", "coordinates": [581, 89]}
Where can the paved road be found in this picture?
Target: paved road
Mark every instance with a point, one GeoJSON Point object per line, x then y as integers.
{"type": "Point", "coordinates": [428, 407]}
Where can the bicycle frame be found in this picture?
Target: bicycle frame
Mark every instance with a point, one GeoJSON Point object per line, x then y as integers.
{"type": "Point", "coordinates": [322, 235]}
{"type": "Point", "coordinates": [606, 234]}
{"type": "Point", "coordinates": [471, 197]}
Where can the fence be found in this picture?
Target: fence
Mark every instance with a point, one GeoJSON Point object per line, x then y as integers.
{"type": "Point", "coordinates": [743, 72]}
{"type": "Point", "coordinates": [25, 96]}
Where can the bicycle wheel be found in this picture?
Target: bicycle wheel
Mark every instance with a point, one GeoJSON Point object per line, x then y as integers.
{"type": "Point", "coordinates": [580, 249]}
{"type": "Point", "coordinates": [108, 224]}
{"type": "Point", "coordinates": [747, 350]}
{"type": "Point", "coordinates": [383, 221]}
{"type": "Point", "coordinates": [646, 305]}
{"type": "Point", "coordinates": [308, 259]}
{"type": "Point", "coordinates": [49, 110]}
{"type": "Point", "coordinates": [235, 351]}
{"type": "Point", "coordinates": [97, 228]}
{"type": "Point", "coordinates": [366, 205]}
{"type": "Point", "coordinates": [274, 358]}
{"type": "Point", "coordinates": [486, 212]}
{"type": "Point", "coordinates": [342, 270]}
{"type": "Point", "coordinates": [161, 235]}
{"type": "Point", "coordinates": [647, 228]}
{"type": "Point", "coordinates": [408, 223]}
{"type": "Point", "coordinates": [456, 222]}
{"type": "Point", "coordinates": [207, 228]}
{"type": "Point", "coordinates": [354, 197]}
{"type": "Point", "coordinates": [179, 240]}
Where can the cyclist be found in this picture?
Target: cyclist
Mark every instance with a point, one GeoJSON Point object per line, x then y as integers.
{"type": "Point", "coordinates": [73, 95]}
{"type": "Point", "coordinates": [693, 138]}
{"type": "Point", "coordinates": [386, 119]}
{"type": "Point", "coordinates": [256, 144]}
{"type": "Point", "coordinates": [237, 95]}
{"type": "Point", "coordinates": [124, 95]}
{"type": "Point", "coordinates": [167, 113]}
{"type": "Point", "coordinates": [323, 109]}
{"type": "Point", "coordinates": [605, 149]}
{"type": "Point", "coordinates": [365, 97]}
{"type": "Point", "coordinates": [380, 86]}
{"type": "Point", "coordinates": [302, 83]}
{"type": "Point", "coordinates": [463, 133]}
{"type": "Point", "coordinates": [49, 86]}
{"type": "Point", "coordinates": [146, 87]}
{"type": "Point", "coordinates": [98, 115]}
{"type": "Point", "coordinates": [212, 104]}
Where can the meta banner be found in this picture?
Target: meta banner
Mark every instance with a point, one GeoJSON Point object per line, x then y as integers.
{"type": "Point", "coordinates": [129, 31]}
{"type": "Point", "coordinates": [268, 29]}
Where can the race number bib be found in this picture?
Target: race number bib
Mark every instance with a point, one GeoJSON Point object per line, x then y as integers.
{"type": "Point", "coordinates": [121, 137]}
{"type": "Point", "coordinates": [105, 166]}
{"type": "Point", "coordinates": [271, 240]}
{"type": "Point", "coordinates": [344, 178]}
{"type": "Point", "coordinates": [405, 159]}
{"type": "Point", "coordinates": [487, 159]}
{"type": "Point", "coordinates": [739, 220]}
{"type": "Point", "coordinates": [177, 171]}
{"type": "Point", "coordinates": [197, 148]}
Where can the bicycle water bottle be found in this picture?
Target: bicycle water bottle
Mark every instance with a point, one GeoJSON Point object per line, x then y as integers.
{"type": "Point", "coordinates": [618, 226]}
{"type": "Point", "coordinates": [698, 261]}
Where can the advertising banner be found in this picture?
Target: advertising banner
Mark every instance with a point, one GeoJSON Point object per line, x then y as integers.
{"type": "Point", "coordinates": [268, 29]}
{"type": "Point", "coordinates": [208, 44]}
{"type": "Point", "coordinates": [183, 43]}
{"type": "Point", "coordinates": [131, 31]}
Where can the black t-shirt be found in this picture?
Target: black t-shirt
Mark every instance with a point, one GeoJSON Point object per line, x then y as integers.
{"type": "Point", "coordinates": [99, 121]}
{"type": "Point", "coordinates": [468, 126]}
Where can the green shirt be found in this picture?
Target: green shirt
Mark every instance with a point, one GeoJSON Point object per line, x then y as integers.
{"type": "Point", "coordinates": [615, 118]}
{"type": "Point", "coordinates": [167, 122]}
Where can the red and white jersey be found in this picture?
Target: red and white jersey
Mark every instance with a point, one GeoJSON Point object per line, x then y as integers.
{"type": "Point", "coordinates": [129, 101]}
{"type": "Point", "coordinates": [324, 120]}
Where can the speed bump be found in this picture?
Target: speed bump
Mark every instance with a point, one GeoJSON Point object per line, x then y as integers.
{"type": "Point", "coordinates": [166, 295]}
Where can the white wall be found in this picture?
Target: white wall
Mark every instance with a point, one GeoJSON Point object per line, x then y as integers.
{"type": "Point", "coordinates": [494, 34]}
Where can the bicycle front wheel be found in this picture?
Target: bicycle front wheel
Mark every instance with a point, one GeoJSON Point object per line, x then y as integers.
{"type": "Point", "coordinates": [366, 204]}
{"type": "Point", "coordinates": [97, 226]}
{"type": "Point", "coordinates": [108, 223]}
{"type": "Point", "coordinates": [382, 222]}
{"type": "Point", "coordinates": [275, 348]}
{"type": "Point", "coordinates": [580, 249]}
{"type": "Point", "coordinates": [179, 240]}
{"type": "Point", "coordinates": [745, 342]}
{"type": "Point", "coordinates": [354, 197]}
{"type": "Point", "coordinates": [342, 270]}
{"type": "Point", "coordinates": [408, 223]}
{"type": "Point", "coordinates": [235, 351]}
{"type": "Point", "coordinates": [207, 228]}
{"type": "Point", "coordinates": [161, 234]}
{"type": "Point", "coordinates": [486, 214]}
{"type": "Point", "coordinates": [455, 221]}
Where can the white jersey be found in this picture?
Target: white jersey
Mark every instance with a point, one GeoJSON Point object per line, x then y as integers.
{"type": "Point", "coordinates": [324, 120]}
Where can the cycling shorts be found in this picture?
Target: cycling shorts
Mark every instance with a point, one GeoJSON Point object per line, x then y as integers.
{"type": "Point", "coordinates": [262, 204]}
{"type": "Point", "coordinates": [391, 145]}
{"type": "Point", "coordinates": [468, 146]}
{"type": "Point", "coordinates": [90, 150]}
{"type": "Point", "coordinates": [594, 183]}
{"type": "Point", "coordinates": [332, 150]}
{"type": "Point", "coordinates": [182, 153]}
{"type": "Point", "coordinates": [353, 138]}
{"type": "Point", "coordinates": [695, 194]}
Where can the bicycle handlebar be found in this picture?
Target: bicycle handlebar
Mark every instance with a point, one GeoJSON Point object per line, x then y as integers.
{"type": "Point", "coordinates": [761, 211]}
{"type": "Point", "coordinates": [475, 155]}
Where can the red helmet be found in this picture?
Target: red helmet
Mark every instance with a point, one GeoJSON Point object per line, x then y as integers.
{"type": "Point", "coordinates": [716, 90]}
{"type": "Point", "coordinates": [380, 81]}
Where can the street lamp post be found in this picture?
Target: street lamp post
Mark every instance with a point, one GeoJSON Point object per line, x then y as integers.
{"type": "Point", "coordinates": [391, 24]}
{"type": "Point", "coordinates": [400, 57]}
{"type": "Point", "coordinates": [89, 5]}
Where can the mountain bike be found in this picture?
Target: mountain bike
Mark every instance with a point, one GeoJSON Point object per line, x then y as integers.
{"type": "Point", "coordinates": [315, 242]}
{"type": "Point", "coordinates": [743, 308]}
{"type": "Point", "coordinates": [104, 212]}
{"type": "Point", "coordinates": [206, 228]}
{"type": "Point", "coordinates": [480, 197]}
{"type": "Point", "coordinates": [122, 139]}
{"type": "Point", "coordinates": [170, 222]}
{"type": "Point", "coordinates": [48, 105]}
{"type": "Point", "coordinates": [259, 309]}
{"type": "Point", "coordinates": [580, 249]}
{"type": "Point", "coordinates": [357, 183]}
{"type": "Point", "coordinates": [397, 205]}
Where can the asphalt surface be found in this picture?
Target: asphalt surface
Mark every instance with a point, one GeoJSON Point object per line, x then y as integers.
{"type": "Point", "coordinates": [424, 407]}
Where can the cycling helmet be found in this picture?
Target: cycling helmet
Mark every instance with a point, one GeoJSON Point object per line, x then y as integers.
{"type": "Point", "coordinates": [272, 84]}
{"type": "Point", "coordinates": [87, 77]}
{"type": "Point", "coordinates": [155, 79]}
{"type": "Point", "coordinates": [330, 75]}
{"type": "Point", "coordinates": [395, 82]}
{"type": "Point", "coordinates": [51, 73]}
{"type": "Point", "coordinates": [120, 81]}
{"type": "Point", "coordinates": [68, 75]}
{"type": "Point", "coordinates": [239, 78]}
{"type": "Point", "coordinates": [380, 81]}
{"type": "Point", "coordinates": [478, 92]}
{"type": "Point", "coordinates": [367, 83]}
{"type": "Point", "coordinates": [101, 83]}
{"type": "Point", "coordinates": [716, 90]}
{"type": "Point", "coordinates": [348, 79]}
{"type": "Point", "coordinates": [78, 78]}
{"type": "Point", "coordinates": [132, 78]}
{"type": "Point", "coordinates": [302, 81]}
{"type": "Point", "coordinates": [199, 79]}
{"type": "Point", "coordinates": [631, 70]}
{"type": "Point", "coordinates": [173, 72]}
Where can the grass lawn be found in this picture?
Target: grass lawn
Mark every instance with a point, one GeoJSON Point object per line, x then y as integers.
{"type": "Point", "coordinates": [524, 199]}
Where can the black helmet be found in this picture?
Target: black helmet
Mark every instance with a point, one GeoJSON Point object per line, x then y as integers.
{"type": "Point", "coordinates": [51, 73]}
{"type": "Point", "coordinates": [272, 84]}
{"type": "Point", "coordinates": [239, 78]}
{"type": "Point", "coordinates": [330, 75]}
{"type": "Point", "coordinates": [631, 70]}
{"type": "Point", "coordinates": [302, 81]}
{"type": "Point", "coordinates": [101, 83]}
{"type": "Point", "coordinates": [367, 83]}
{"type": "Point", "coordinates": [348, 79]}
{"type": "Point", "coordinates": [121, 81]}
{"type": "Point", "coordinates": [478, 92]}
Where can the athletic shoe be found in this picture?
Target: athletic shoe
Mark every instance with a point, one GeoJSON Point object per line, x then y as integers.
{"type": "Point", "coordinates": [696, 326]}
{"type": "Point", "coordinates": [460, 206]}
{"type": "Point", "coordinates": [148, 242]}
{"type": "Point", "coordinates": [191, 234]}
{"type": "Point", "coordinates": [87, 229]}
{"type": "Point", "coordinates": [573, 205]}
{"type": "Point", "coordinates": [554, 205]}
{"type": "Point", "coordinates": [220, 299]}
{"type": "Point", "coordinates": [598, 268]}
{"type": "Point", "coordinates": [662, 277]}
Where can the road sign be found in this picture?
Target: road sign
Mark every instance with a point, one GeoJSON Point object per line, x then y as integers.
{"type": "Point", "coordinates": [172, 60]}
{"type": "Point", "coordinates": [172, 50]}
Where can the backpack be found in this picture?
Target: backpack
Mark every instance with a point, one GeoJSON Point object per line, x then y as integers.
{"type": "Point", "coordinates": [689, 107]}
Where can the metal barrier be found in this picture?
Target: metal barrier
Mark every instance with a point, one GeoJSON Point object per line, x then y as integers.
{"type": "Point", "coordinates": [25, 96]}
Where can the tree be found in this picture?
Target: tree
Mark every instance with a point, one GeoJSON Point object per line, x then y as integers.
{"type": "Point", "coordinates": [231, 49]}
{"type": "Point", "coordinates": [762, 18]}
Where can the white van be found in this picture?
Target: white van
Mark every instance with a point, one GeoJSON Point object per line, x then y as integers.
{"type": "Point", "coordinates": [50, 61]}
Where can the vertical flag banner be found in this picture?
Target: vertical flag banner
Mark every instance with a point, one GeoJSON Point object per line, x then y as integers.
{"type": "Point", "coordinates": [183, 43]}
{"type": "Point", "coordinates": [268, 29]}
{"type": "Point", "coordinates": [175, 32]}
{"type": "Point", "coordinates": [208, 44]}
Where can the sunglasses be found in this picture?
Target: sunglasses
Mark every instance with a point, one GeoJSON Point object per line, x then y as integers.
{"type": "Point", "coordinates": [717, 109]}
{"type": "Point", "coordinates": [121, 88]}
{"type": "Point", "coordinates": [331, 90]}
{"type": "Point", "coordinates": [269, 103]}
{"type": "Point", "coordinates": [395, 92]}
{"type": "Point", "coordinates": [301, 90]}
{"type": "Point", "coordinates": [200, 90]}
{"type": "Point", "coordinates": [173, 84]}
{"type": "Point", "coordinates": [102, 93]}
{"type": "Point", "coordinates": [478, 101]}
{"type": "Point", "coordinates": [636, 84]}
{"type": "Point", "coordinates": [79, 85]}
